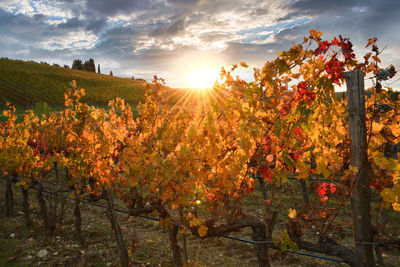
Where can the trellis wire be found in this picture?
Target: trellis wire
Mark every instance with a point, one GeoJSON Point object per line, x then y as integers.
{"type": "Point", "coordinates": [243, 240]}
{"type": "Point", "coordinates": [293, 177]}
{"type": "Point", "coordinates": [157, 219]}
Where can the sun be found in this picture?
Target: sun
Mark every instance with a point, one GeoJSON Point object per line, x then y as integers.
{"type": "Point", "coordinates": [201, 78]}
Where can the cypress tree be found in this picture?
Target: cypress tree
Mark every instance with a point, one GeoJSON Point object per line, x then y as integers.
{"type": "Point", "coordinates": [86, 66]}
{"type": "Point", "coordinates": [92, 66]}
{"type": "Point", "coordinates": [77, 64]}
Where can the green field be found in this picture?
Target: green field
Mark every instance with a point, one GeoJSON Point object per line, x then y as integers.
{"type": "Point", "coordinates": [28, 85]}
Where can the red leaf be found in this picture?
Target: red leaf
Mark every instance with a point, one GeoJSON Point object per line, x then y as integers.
{"type": "Point", "coordinates": [266, 172]}
{"type": "Point", "coordinates": [298, 132]}
{"type": "Point", "coordinates": [376, 186]}
{"type": "Point", "coordinates": [211, 196]}
{"type": "Point", "coordinates": [305, 92]}
{"type": "Point", "coordinates": [267, 202]}
{"type": "Point", "coordinates": [295, 155]}
{"type": "Point", "coordinates": [323, 188]}
{"type": "Point", "coordinates": [323, 47]}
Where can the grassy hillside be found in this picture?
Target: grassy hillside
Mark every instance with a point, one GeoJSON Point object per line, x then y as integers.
{"type": "Point", "coordinates": [29, 84]}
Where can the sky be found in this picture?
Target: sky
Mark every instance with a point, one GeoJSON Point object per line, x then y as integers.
{"type": "Point", "coordinates": [180, 40]}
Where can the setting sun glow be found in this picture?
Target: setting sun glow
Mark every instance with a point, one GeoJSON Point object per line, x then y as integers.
{"type": "Point", "coordinates": [202, 78]}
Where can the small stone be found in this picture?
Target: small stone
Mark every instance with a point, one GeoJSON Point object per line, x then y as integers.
{"type": "Point", "coordinates": [109, 264]}
{"type": "Point", "coordinates": [55, 253]}
{"type": "Point", "coordinates": [12, 235]}
{"type": "Point", "coordinates": [29, 257]}
{"type": "Point", "coordinates": [42, 253]}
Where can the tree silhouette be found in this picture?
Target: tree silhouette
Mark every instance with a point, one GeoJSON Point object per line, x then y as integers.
{"type": "Point", "coordinates": [89, 65]}
{"type": "Point", "coordinates": [77, 64]}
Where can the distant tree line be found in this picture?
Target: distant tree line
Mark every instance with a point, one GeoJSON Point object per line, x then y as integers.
{"type": "Point", "coordinates": [88, 65]}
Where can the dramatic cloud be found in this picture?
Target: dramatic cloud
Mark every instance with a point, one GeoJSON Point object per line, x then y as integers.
{"type": "Point", "coordinates": [170, 37]}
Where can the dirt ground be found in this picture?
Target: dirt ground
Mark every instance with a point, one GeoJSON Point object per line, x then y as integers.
{"type": "Point", "coordinates": [147, 242]}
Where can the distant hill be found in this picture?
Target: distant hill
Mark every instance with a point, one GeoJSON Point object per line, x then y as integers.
{"type": "Point", "coordinates": [27, 84]}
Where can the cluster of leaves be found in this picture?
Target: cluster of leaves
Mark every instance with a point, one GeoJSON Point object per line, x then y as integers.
{"type": "Point", "coordinates": [22, 154]}
{"type": "Point", "coordinates": [194, 164]}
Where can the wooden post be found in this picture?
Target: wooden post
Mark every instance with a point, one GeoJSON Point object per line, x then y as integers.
{"type": "Point", "coordinates": [9, 196]}
{"type": "Point", "coordinates": [123, 252]}
{"type": "Point", "coordinates": [360, 193]}
{"type": "Point", "coordinates": [176, 249]}
{"type": "Point", "coordinates": [303, 186]}
{"type": "Point", "coordinates": [78, 219]}
{"type": "Point", "coordinates": [25, 205]}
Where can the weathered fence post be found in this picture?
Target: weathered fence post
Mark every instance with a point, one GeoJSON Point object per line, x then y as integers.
{"type": "Point", "coordinates": [25, 205]}
{"type": "Point", "coordinates": [303, 186]}
{"type": "Point", "coordinates": [77, 212]}
{"type": "Point", "coordinates": [360, 193]}
{"type": "Point", "coordinates": [9, 196]}
{"type": "Point", "coordinates": [123, 252]}
{"type": "Point", "coordinates": [78, 219]}
{"type": "Point", "coordinates": [43, 207]}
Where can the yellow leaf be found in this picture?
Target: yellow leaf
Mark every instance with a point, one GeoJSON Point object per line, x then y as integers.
{"type": "Point", "coordinates": [396, 207]}
{"type": "Point", "coordinates": [245, 106]}
{"type": "Point", "coordinates": [292, 213]}
{"type": "Point", "coordinates": [341, 130]}
{"type": "Point", "coordinates": [302, 169]}
{"type": "Point", "coordinates": [353, 169]}
{"type": "Point", "coordinates": [322, 168]}
{"type": "Point", "coordinates": [70, 138]}
{"type": "Point", "coordinates": [376, 127]}
{"type": "Point", "coordinates": [202, 230]}
{"type": "Point", "coordinates": [377, 59]}
{"type": "Point", "coordinates": [73, 84]}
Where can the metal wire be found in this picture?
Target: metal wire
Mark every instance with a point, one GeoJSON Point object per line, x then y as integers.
{"type": "Point", "coordinates": [314, 256]}
{"type": "Point", "coordinates": [243, 240]}
{"type": "Point", "coordinates": [157, 219]}
{"type": "Point", "coordinates": [225, 236]}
